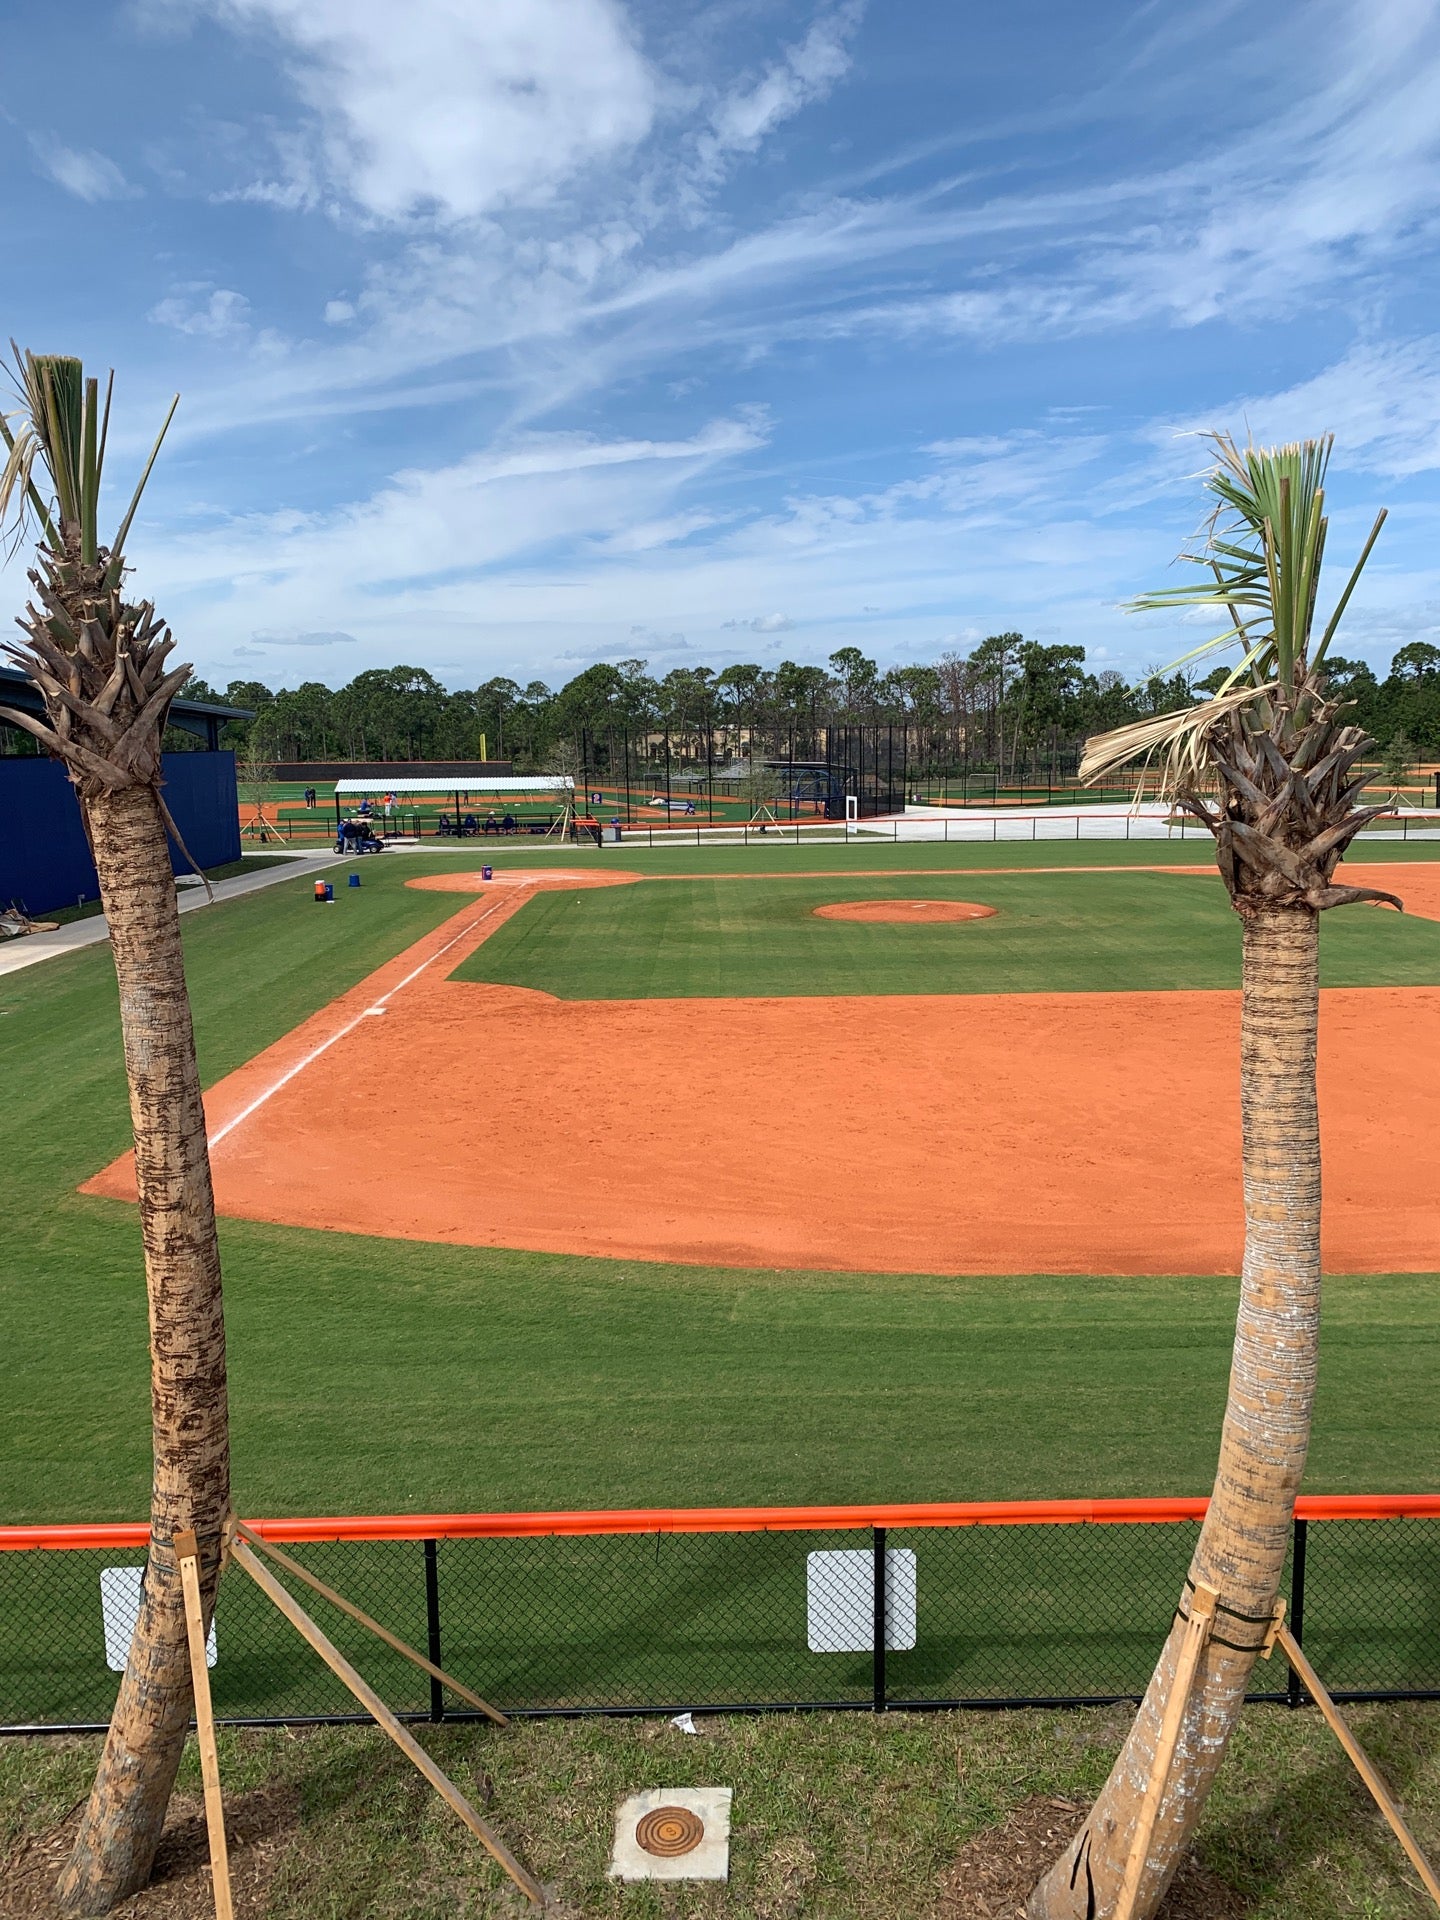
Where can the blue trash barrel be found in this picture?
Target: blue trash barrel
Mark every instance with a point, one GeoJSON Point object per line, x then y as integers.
{"type": "Point", "coordinates": [354, 879]}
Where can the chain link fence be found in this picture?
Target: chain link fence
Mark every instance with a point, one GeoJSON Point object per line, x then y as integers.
{"type": "Point", "coordinates": [658, 1620]}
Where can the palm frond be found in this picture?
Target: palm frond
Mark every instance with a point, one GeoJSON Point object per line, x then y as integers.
{"type": "Point", "coordinates": [1263, 548]}
{"type": "Point", "coordinates": [60, 435]}
{"type": "Point", "coordinates": [117, 547]}
{"type": "Point", "coordinates": [1179, 738]}
{"type": "Point", "coordinates": [23, 448]}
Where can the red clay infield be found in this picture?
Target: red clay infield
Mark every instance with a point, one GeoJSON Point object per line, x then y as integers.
{"type": "Point", "coordinates": [912, 912]}
{"type": "Point", "coordinates": [1008, 1133]}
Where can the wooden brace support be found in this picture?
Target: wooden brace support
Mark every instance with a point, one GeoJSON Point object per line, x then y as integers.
{"type": "Point", "coordinates": [188, 1553]}
{"type": "Point", "coordinates": [377, 1709]}
{"type": "Point", "coordinates": [240, 1530]}
{"type": "Point", "coordinates": [1201, 1618]}
{"type": "Point", "coordinates": [1281, 1636]}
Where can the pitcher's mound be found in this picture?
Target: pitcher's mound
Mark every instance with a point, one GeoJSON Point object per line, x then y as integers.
{"type": "Point", "coordinates": [915, 912]}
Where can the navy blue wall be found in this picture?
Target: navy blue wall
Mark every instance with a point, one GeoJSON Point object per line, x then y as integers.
{"type": "Point", "coordinates": [44, 861]}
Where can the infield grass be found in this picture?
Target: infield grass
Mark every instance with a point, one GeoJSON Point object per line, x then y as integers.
{"type": "Point", "coordinates": [731, 938]}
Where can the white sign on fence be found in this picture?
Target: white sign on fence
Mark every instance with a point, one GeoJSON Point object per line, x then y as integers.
{"type": "Point", "coordinates": [120, 1608]}
{"type": "Point", "coordinates": [840, 1600]}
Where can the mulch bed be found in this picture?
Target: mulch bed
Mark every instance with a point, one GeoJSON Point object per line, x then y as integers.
{"type": "Point", "coordinates": [258, 1827]}
{"type": "Point", "coordinates": [993, 1873]}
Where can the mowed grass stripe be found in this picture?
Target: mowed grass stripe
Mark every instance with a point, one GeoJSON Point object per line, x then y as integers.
{"type": "Point", "coordinates": [1052, 933]}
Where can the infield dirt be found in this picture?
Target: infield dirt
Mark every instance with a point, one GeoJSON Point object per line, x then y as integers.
{"type": "Point", "coordinates": [1065, 1133]}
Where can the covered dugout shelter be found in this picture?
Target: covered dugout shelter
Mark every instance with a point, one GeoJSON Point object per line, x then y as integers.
{"type": "Point", "coordinates": [541, 803]}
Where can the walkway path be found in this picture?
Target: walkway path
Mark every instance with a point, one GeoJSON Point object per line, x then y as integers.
{"type": "Point", "coordinates": [30, 949]}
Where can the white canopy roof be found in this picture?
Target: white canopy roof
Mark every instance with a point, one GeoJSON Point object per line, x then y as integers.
{"type": "Point", "coordinates": [463, 783]}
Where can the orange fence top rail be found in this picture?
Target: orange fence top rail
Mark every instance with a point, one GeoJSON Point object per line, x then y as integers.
{"type": "Point", "coordinates": [939, 1513]}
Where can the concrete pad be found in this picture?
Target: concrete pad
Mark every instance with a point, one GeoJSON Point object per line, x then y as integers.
{"type": "Point", "coordinates": [673, 1833]}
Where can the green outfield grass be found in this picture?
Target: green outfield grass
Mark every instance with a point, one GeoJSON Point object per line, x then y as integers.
{"type": "Point", "coordinates": [376, 1374]}
{"type": "Point", "coordinates": [1069, 932]}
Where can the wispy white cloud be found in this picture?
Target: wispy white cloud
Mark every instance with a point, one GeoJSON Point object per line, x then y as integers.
{"type": "Point", "coordinates": [538, 218]}
{"type": "Point", "coordinates": [1381, 400]}
{"type": "Point", "coordinates": [1316, 196]}
{"type": "Point", "coordinates": [502, 507]}
{"type": "Point", "coordinates": [587, 548]}
{"type": "Point", "coordinates": [217, 313]}
{"type": "Point", "coordinates": [81, 170]}
{"type": "Point", "coordinates": [804, 73]}
{"type": "Point", "coordinates": [304, 639]}
{"type": "Point", "coordinates": [762, 623]}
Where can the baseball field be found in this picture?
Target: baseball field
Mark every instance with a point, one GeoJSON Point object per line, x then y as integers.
{"type": "Point", "coordinates": [684, 1190]}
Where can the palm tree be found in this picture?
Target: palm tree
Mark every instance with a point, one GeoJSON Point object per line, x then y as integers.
{"type": "Point", "coordinates": [1270, 767]}
{"type": "Point", "coordinates": [100, 661]}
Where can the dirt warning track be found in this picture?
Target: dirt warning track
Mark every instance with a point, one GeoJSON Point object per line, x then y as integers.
{"type": "Point", "coordinates": [1007, 1133]}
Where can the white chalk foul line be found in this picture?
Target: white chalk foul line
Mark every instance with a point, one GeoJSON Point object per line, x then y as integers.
{"type": "Point", "coordinates": [350, 1026]}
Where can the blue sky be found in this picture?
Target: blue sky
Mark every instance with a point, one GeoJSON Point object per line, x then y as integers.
{"type": "Point", "coordinates": [519, 335]}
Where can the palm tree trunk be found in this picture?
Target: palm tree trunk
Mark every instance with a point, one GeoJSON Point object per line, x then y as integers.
{"type": "Point", "coordinates": [120, 1828]}
{"type": "Point", "coordinates": [1242, 1545]}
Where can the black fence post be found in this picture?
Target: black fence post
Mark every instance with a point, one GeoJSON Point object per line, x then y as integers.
{"type": "Point", "coordinates": [432, 1627]}
{"type": "Point", "coordinates": [1294, 1692]}
{"type": "Point", "coordinates": [880, 1632]}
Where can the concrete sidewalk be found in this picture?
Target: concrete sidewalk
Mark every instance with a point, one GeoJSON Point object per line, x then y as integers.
{"type": "Point", "coordinates": [30, 949]}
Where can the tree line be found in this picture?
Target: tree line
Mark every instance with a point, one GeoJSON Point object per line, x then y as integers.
{"type": "Point", "coordinates": [1011, 704]}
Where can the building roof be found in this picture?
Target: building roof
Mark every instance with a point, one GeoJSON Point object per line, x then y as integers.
{"type": "Point", "coordinates": [463, 783]}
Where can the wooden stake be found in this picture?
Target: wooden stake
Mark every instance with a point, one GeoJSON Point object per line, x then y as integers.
{"type": "Point", "coordinates": [1192, 1645]}
{"type": "Point", "coordinates": [355, 1613]}
{"type": "Point", "coordinates": [376, 1707]}
{"type": "Point", "coordinates": [188, 1552]}
{"type": "Point", "coordinates": [1364, 1766]}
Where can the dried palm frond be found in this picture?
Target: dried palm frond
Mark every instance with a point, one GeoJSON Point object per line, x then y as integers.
{"type": "Point", "coordinates": [1179, 739]}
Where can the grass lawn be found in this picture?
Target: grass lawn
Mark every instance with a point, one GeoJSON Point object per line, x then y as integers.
{"type": "Point", "coordinates": [853, 1817]}
{"type": "Point", "coordinates": [724, 938]}
{"type": "Point", "coordinates": [373, 1375]}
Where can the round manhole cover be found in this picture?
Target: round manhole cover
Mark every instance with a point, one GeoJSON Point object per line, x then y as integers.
{"type": "Point", "coordinates": [668, 1831]}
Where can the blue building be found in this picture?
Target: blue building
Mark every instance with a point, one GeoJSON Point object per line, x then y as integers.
{"type": "Point", "coordinates": [44, 860]}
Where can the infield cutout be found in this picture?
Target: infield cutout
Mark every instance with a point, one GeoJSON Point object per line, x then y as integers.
{"type": "Point", "coordinates": [915, 913]}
